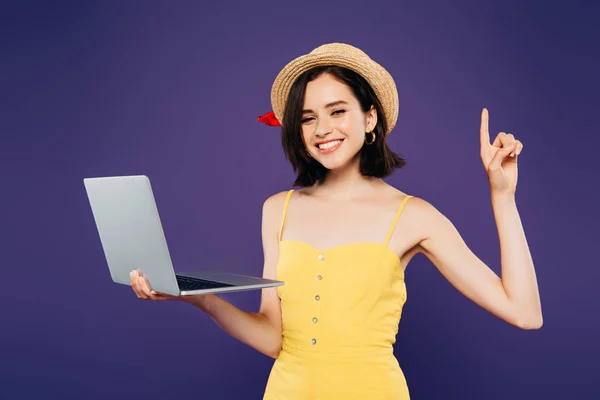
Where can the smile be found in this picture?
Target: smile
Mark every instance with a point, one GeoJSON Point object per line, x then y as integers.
{"type": "Point", "coordinates": [330, 147]}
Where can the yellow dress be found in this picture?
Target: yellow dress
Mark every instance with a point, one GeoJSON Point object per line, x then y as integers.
{"type": "Point", "coordinates": [340, 312]}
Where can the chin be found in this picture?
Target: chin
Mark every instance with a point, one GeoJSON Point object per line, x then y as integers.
{"type": "Point", "coordinates": [332, 166]}
{"type": "Point", "coordinates": [332, 163]}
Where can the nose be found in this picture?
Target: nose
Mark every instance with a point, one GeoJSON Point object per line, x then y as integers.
{"type": "Point", "coordinates": [323, 128]}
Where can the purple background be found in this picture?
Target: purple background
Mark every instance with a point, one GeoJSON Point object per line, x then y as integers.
{"type": "Point", "coordinates": [173, 89]}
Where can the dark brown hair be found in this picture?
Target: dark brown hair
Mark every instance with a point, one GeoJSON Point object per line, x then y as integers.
{"type": "Point", "coordinates": [376, 160]}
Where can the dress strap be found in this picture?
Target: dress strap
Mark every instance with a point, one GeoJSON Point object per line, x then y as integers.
{"type": "Point", "coordinates": [285, 206]}
{"type": "Point", "coordinates": [391, 232]}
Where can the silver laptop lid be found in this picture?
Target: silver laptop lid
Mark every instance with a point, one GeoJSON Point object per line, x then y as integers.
{"type": "Point", "coordinates": [130, 230]}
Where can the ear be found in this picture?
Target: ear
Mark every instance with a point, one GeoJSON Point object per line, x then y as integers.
{"type": "Point", "coordinates": [371, 119]}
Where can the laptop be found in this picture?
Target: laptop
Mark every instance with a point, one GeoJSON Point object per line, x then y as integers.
{"type": "Point", "coordinates": [132, 237]}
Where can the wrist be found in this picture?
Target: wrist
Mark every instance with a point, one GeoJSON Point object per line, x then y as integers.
{"type": "Point", "coordinates": [502, 197]}
{"type": "Point", "coordinates": [201, 301]}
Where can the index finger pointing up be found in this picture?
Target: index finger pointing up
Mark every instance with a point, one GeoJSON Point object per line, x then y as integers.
{"type": "Point", "coordinates": [484, 132]}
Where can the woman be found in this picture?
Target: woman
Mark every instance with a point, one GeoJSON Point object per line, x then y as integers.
{"type": "Point", "coordinates": [341, 243]}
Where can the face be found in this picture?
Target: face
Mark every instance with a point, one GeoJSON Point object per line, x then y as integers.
{"type": "Point", "coordinates": [333, 122]}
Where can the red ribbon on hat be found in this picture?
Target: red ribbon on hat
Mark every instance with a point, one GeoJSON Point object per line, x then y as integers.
{"type": "Point", "coordinates": [269, 119]}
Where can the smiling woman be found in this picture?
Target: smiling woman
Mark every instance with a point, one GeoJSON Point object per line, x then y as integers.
{"type": "Point", "coordinates": [331, 99]}
{"type": "Point", "coordinates": [342, 242]}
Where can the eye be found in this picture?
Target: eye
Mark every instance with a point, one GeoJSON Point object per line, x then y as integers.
{"type": "Point", "coordinates": [338, 112]}
{"type": "Point", "coordinates": [305, 120]}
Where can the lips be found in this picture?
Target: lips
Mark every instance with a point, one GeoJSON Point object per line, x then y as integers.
{"type": "Point", "coordinates": [329, 146]}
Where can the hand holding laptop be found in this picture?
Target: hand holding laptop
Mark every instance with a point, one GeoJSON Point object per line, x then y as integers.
{"type": "Point", "coordinates": [132, 238]}
{"type": "Point", "coordinates": [131, 234]}
{"type": "Point", "coordinates": [142, 290]}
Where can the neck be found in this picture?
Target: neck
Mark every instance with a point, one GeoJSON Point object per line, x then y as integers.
{"type": "Point", "coordinates": [347, 183]}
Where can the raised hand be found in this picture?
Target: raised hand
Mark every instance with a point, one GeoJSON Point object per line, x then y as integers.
{"type": "Point", "coordinates": [499, 158]}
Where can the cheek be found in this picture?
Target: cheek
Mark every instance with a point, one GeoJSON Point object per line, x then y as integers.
{"type": "Point", "coordinates": [306, 135]}
{"type": "Point", "coordinates": [352, 127]}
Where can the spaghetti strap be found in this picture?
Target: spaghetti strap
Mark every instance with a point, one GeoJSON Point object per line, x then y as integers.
{"type": "Point", "coordinates": [391, 232]}
{"type": "Point", "coordinates": [285, 206]}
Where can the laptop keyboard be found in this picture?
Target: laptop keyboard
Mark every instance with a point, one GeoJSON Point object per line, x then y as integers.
{"type": "Point", "coordinates": [187, 283]}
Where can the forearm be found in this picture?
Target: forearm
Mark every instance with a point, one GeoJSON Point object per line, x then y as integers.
{"type": "Point", "coordinates": [250, 328]}
{"type": "Point", "coordinates": [518, 272]}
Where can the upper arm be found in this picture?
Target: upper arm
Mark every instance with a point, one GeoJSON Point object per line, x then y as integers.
{"type": "Point", "coordinates": [272, 211]}
{"type": "Point", "coordinates": [444, 246]}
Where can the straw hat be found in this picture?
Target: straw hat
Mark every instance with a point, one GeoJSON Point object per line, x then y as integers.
{"type": "Point", "coordinates": [342, 55]}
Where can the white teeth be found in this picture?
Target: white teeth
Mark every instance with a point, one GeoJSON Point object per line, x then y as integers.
{"type": "Point", "coordinates": [329, 145]}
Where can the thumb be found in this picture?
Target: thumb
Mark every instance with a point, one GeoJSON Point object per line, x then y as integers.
{"type": "Point", "coordinates": [500, 155]}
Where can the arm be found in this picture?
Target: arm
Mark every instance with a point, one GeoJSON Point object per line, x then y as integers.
{"type": "Point", "coordinates": [260, 330]}
{"type": "Point", "coordinates": [514, 298]}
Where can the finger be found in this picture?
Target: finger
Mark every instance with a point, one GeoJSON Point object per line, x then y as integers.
{"type": "Point", "coordinates": [133, 283]}
{"type": "Point", "coordinates": [499, 140]}
{"type": "Point", "coordinates": [162, 296]}
{"type": "Point", "coordinates": [138, 285]}
{"type": "Point", "coordinates": [499, 157]}
{"type": "Point", "coordinates": [496, 162]}
{"type": "Point", "coordinates": [144, 289]}
{"type": "Point", "coordinates": [145, 286]}
{"type": "Point", "coordinates": [519, 147]}
{"type": "Point", "coordinates": [138, 279]}
{"type": "Point", "coordinates": [147, 290]}
{"type": "Point", "coordinates": [510, 140]}
{"type": "Point", "coordinates": [484, 133]}
{"type": "Point", "coordinates": [505, 140]}
{"type": "Point", "coordinates": [154, 295]}
{"type": "Point", "coordinates": [511, 143]}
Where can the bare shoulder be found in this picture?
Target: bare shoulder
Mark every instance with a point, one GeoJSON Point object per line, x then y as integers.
{"type": "Point", "coordinates": [414, 205]}
{"type": "Point", "coordinates": [420, 208]}
{"type": "Point", "coordinates": [418, 216]}
{"type": "Point", "coordinates": [424, 211]}
{"type": "Point", "coordinates": [274, 203]}
{"type": "Point", "coordinates": [416, 208]}
{"type": "Point", "coordinates": [272, 211]}
{"type": "Point", "coordinates": [422, 217]}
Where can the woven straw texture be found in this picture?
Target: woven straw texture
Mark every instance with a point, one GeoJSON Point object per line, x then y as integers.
{"type": "Point", "coordinates": [343, 55]}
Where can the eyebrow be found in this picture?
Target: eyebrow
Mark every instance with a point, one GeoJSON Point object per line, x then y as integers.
{"type": "Point", "coordinates": [333, 104]}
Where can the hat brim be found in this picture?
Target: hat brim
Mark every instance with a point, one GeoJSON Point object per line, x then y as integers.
{"type": "Point", "coordinates": [378, 77]}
